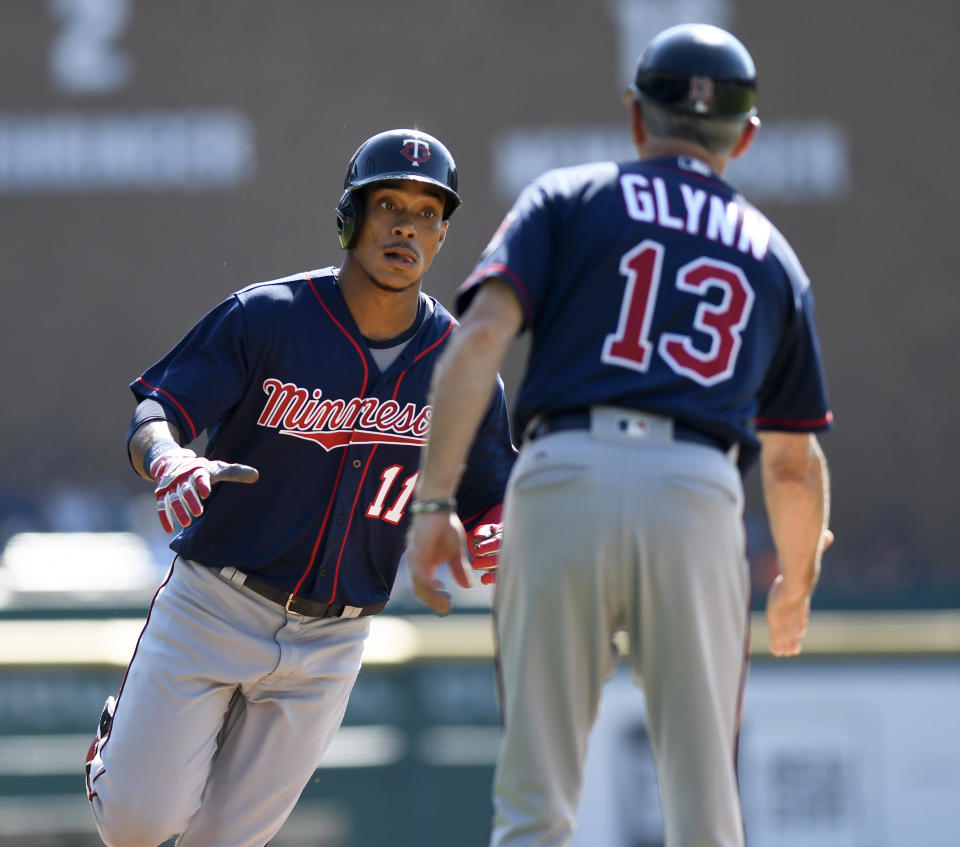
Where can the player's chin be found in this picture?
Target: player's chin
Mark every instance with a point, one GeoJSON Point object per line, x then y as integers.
{"type": "Point", "coordinates": [399, 276]}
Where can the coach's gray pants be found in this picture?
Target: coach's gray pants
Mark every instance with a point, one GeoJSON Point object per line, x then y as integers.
{"type": "Point", "coordinates": [224, 713]}
{"type": "Point", "coordinates": [621, 528]}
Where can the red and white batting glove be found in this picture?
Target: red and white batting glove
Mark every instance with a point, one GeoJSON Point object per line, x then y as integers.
{"type": "Point", "coordinates": [185, 479]}
{"type": "Point", "coordinates": [483, 544]}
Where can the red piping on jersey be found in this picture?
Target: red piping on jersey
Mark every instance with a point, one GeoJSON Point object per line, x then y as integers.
{"type": "Point", "coordinates": [124, 680]}
{"type": "Point", "coordinates": [323, 526]}
{"type": "Point", "coordinates": [477, 515]}
{"type": "Point", "coordinates": [827, 418]}
{"type": "Point", "coordinates": [363, 476]}
{"type": "Point", "coordinates": [172, 399]}
{"type": "Point", "coordinates": [500, 269]}
{"type": "Point", "coordinates": [346, 532]}
{"type": "Point", "coordinates": [352, 340]}
{"type": "Point", "coordinates": [343, 458]}
{"type": "Point", "coordinates": [423, 353]}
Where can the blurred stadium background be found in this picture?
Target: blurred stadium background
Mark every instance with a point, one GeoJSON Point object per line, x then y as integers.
{"type": "Point", "coordinates": [157, 155]}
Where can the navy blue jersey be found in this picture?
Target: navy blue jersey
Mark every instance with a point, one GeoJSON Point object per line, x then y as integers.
{"type": "Point", "coordinates": [281, 379]}
{"type": "Point", "coordinates": [654, 285]}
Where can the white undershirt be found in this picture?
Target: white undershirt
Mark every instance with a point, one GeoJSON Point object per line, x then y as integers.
{"type": "Point", "coordinates": [386, 356]}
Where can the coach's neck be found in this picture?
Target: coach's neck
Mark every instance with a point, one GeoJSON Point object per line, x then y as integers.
{"type": "Point", "coordinates": [656, 147]}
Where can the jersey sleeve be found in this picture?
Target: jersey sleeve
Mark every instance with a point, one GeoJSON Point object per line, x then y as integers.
{"type": "Point", "coordinates": [488, 464]}
{"type": "Point", "coordinates": [520, 252]}
{"type": "Point", "coordinates": [204, 375]}
{"type": "Point", "coordinates": [794, 395]}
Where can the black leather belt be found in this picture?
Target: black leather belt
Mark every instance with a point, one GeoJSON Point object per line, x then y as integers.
{"type": "Point", "coordinates": [301, 605]}
{"type": "Point", "coordinates": [580, 419]}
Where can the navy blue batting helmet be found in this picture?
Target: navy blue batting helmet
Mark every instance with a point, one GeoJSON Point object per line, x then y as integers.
{"type": "Point", "coordinates": [395, 154]}
{"type": "Point", "coordinates": [698, 69]}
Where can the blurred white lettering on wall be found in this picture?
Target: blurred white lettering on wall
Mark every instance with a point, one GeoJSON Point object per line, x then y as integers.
{"type": "Point", "coordinates": [84, 55]}
{"type": "Point", "coordinates": [189, 150]}
{"type": "Point", "coordinates": [790, 162]}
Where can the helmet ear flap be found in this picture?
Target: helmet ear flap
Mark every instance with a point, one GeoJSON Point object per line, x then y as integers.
{"type": "Point", "coordinates": [349, 219]}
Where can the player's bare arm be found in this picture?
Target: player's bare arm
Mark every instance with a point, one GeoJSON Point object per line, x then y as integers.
{"type": "Point", "coordinates": [797, 495]}
{"type": "Point", "coordinates": [462, 381]}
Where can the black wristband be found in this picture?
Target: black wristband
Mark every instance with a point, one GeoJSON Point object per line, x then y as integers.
{"type": "Point", "coordinates": [157, 449]}
{"type": "Point", "coordinates": [440, 504]}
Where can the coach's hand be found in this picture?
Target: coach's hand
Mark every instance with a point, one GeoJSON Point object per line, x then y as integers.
{"type": "Point", "coordinates": [436, 539]}
{"type": "Point", "coordinates": [788, 610]}
{"type": "Point", "coordinates": [483, 544]}
{"type": "Point", "coordinates": [185, 479]}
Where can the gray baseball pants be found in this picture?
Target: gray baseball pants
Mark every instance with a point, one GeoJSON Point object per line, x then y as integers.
{"type": "Point", "coordinates": [225, 711]}
{"type": "Point", "coordinates": [621, 527]}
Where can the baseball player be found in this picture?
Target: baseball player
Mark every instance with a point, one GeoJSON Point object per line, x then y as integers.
{"type": "Point", "coordinates": [670, 323]}
{"type": "Point", "coordinates": [312, 390]}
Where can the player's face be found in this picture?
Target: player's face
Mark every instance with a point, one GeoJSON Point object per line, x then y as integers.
{"type": "Point", "coordinates": [402, 231]}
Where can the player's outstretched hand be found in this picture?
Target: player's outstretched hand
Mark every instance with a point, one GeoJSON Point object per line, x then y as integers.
{"type": "Point", "coordinates": [483, 544]}
{"type": "Point", "coordinates": [436, 539]}
{"type": "Point", "coordinates": [185, 479]}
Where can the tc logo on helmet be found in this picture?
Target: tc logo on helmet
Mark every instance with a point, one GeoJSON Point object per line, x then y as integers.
{"type": "Point", "coordinates": [701, 93]}
{"type": "Point", "coordinates": [416, 150]}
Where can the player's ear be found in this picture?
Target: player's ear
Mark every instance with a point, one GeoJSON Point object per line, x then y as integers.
{"type": "Point", "coordinates": [746, 137]}
{"type": "Point", "coordinates": [443, 234]}
{"type": "Point", "coordinates": [636, 116]}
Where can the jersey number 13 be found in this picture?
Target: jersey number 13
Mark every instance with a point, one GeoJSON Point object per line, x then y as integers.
{"type": "Point", "coordinates": [631, 346]}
